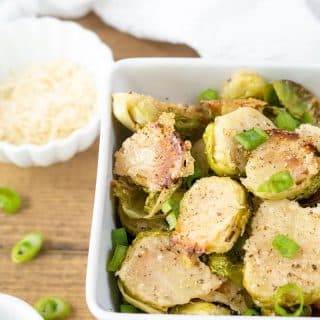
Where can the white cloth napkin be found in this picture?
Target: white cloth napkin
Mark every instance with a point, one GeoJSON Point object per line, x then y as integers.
{"type": "Point", "coordinates": [233, 30]}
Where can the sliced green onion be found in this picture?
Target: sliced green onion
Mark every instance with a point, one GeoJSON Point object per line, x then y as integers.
{"type": "Point", "coordinates": [307, 118]}
{"type": "Point", "coordinates": [128, 308]}
{"type": "Point", "coordinates": [252, 138]}
{"type": "Point", "coordinates": [289, 295]}
{"type": "Point", "coordinates": [53, 308]}
{"type": "Point", "coordinates": [27, 248]}
{"type": "Point", "coordinates": [286, 122]}
{"type": "Point", "coordinates": [119, 254]}
{"type": "Point", "coordinates": [119, 236]}
{"type": "Point", "coordinates": [250, 312]}
{"type": "Point", "coordinates": [198, 173]}
{"type": "Point", "coordinates": [171, 219]}
{"type": "Point", "coordinates": [208, 94]}
{"type": "Point", "coordinates": [287, 247]}
{"type": "Point", "coordinates": [10, 200]}
{"type": "Point", "coordinates": [278, 182]}
{"type": "Point", "coordinates": [170, 205]}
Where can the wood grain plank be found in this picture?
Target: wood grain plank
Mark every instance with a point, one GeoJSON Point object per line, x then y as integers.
{"type": "Point", "coordinates": [58, 202]}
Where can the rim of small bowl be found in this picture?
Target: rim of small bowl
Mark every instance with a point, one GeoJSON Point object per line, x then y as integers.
{"type": "Point", "coordinates": [94, 121]}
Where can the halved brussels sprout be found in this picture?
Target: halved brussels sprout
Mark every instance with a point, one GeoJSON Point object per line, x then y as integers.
{"type": "Point", "coordinates": [221, 107]}
{"type": "Point", "coordinates": [135, 110]}
{"type": "Point", "coordinates": [134, 226]}
{"type": "Point", "coordinates": [138, 204]}
{"type": "Point", "coordinates": [310, 134]}
{"type": "Point", "coordinates": [224, 266]}
{"type": "Point", "coordinates": [197, 152]}
{"type": "Point", "coordinates": [231, 295]}
{"type": "Point", "coordinates": [243, 84]}
{"type": "Point", "coordinates": [225, 155]}
{"type": "Point", "coordinates": [161, 275]}
{"type": "Point", "coordinates": [213, 214]}
{"type": "Point", "coordinates": [265, 269]}
{"type": "Point", "coordinates": [138, 304]}
{"type": "Point", "coordinates": [283, 152]}
{"type": "Point", "coordinates": [200, 308]}
{"type": "Point", "coordinates": [155, 157]}
{"type": "Point", "coordinates": [298, 100]}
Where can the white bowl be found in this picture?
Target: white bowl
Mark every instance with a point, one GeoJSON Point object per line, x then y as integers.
{"type": "Point", "coordinates": [12, 308]}
{"type": "Point", "coordinates": [33, 41]}
{"type": "Point", "coordinates": [180, 80]}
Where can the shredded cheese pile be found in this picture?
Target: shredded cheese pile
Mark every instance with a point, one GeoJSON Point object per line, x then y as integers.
{"type": "Point", "coordinates": [45, 103]}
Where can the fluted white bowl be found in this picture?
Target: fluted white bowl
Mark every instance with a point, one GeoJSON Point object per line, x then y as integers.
{"type": "Point", "coordinates": [12, 308]}
{"type": "Point", "coordinates": [34, 41]}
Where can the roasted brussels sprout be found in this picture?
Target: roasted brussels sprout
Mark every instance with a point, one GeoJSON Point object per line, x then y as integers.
{"type": "Point", "coordinates": [310, 134]}
{"type": "Point", "coordinates": [213, 213]}
{"type": "Point", "coordinates": [134, 111]}
{"type": "Point", "coordinates": [266, 269]}
{"type": "Point", "coordinates": [155, 157]}
{"type": "Point", "coordinates": [200, 308]}
{"type": "Point", "coordinates": [134, 226]}
{"type": "Point", "coordinates": [197, 152]}
{"type": "Point", "coordinates": [243, 84]}
{"type": "Point", "coordinates": [298, 100]}
{"type": "Point", "coordinates": [231, 295]}
{"type": "Point", "coordinates": [136, 203]}
{"type": "Point", "coordinates": [225, 155]}
{"type": "Point", "coordinates": [221, 107]}
{"type": "Point", "coordinates": [161, 276]}
{"type": "Point", "coordinates": [138, 304]}
{"type": "Point", "coordinates": [283, 152]}
{"type": "Point", "coordinates": [224, 266]}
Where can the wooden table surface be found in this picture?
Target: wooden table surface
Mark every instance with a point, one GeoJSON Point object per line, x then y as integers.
{"type": "Point", "coordinates": [58, 202]}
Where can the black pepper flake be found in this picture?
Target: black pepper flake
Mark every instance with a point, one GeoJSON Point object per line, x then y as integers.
{"type": "Point", "coordinates": [314, 267]}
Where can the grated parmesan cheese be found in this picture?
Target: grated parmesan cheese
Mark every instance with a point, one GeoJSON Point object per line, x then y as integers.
{"type": "Point", "coordinates": [45, 103]}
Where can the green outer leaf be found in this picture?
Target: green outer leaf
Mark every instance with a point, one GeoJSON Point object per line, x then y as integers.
{"type": "Point", "coordinates": [198, 173]}
{"type": "Point", "coordinates": [222, 265]}
{"type": "Point", "coordinates": [200, 308]}
{"type": "Point", "coordinates": [134, 226]}
{"type": "Point", "coordinates": [53, 308]}
{"type": "Point", "coordinates": [223, 168]}
{"type": "Point", "coordinates": [270, 96]}
{"type": "Point", "coordinates": [299, 101]}
{"type": "Point", "coordinates": [287, 247]}
{"type": "Point", "coordinates": [285, 290]}
{"type": "Point", "coordinates": [138, 304]}
{"type": "Point", "coordinates": [287, 93]}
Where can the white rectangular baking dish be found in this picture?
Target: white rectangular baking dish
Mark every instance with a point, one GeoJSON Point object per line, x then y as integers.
{"type": "Point", "coordinates": [180, 80]}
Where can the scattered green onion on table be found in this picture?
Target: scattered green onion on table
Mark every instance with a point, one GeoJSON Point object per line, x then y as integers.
{"type": "Point", "coordinates": [10, 200]}
{"type": "Point", "coordinates": [53, 308]}
{"type": "Point", "coordinates": [27, 248]}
